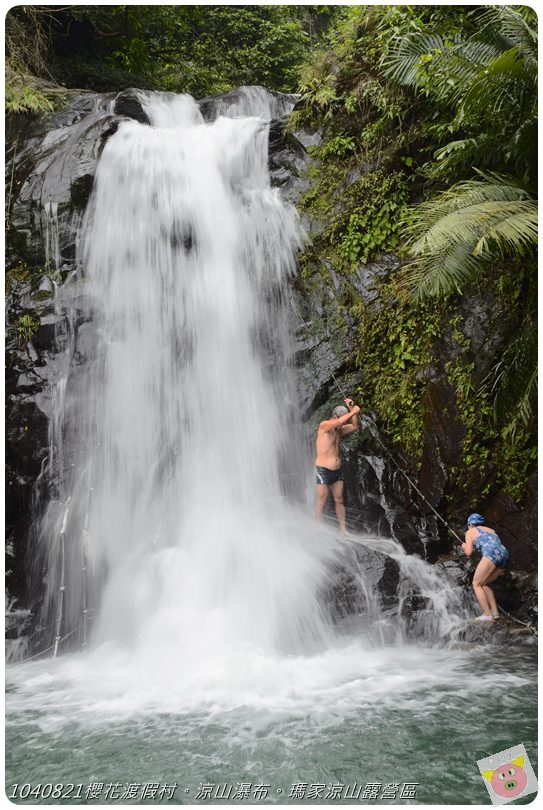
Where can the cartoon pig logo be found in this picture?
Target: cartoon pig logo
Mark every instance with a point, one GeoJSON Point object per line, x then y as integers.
{"type": "Point", "coordinates": [509, 780]}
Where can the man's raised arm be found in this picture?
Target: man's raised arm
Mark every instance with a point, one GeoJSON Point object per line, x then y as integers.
{"type": "Point", "coordinates": [350, 422]}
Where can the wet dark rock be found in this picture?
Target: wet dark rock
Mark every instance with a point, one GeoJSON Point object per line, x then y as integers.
{"type": "Point", "coordinates": [364, 497]}
{"type": "Point", "coordinates": [53, 166]}
{"type": "Point", "coordinates": [486, 327]}
{"type": "Point", "coordinates": [347, 596]}
{"type": "Point", "coordinates": [44, 337]}
{"type": "Point", "coordinates": [80, 191]}
{"type": "Point", "coordinates": [443, 437]}
{"type": "Point", "coordinates": [455, 571]}
{"type": "Point", "coordinates": [503, 631]}
{"type": "Point", "coordinates": [516, 527]}
{"type": "Point", "coordinates": [366, 276]}
{"type": "Point", "coordinates": [30, 360]}
{"type": "Point", "coordinates": [26, 452]}
{"type": "Point", "coordinates": [309, 137]}
{"type": "Point", "coordinates": [387, 584]}
{"type": "Point", "coordinates": [517, 593]}
{"type": "Point", "coordinates": [287, 161]}
{"type": "Point", "coordinates": [129, 105]}
{"type": "Point", "coordinates": [412, 605]}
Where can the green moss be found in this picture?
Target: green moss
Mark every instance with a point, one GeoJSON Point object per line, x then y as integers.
{"type": "Point", "coordinates": [362, 218]}
{"type": "Point", "coordinates": [393, 354]}
{"type": "Point", "coordinates": [16, 274]}
{"type": "Point", "coordinates": [492, 456]}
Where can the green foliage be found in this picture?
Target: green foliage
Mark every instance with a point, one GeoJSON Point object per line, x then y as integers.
{"type": "Point", "coordinates": [374, 220]}
{"type": "Point", "coordinates": [26, 328]}
{"type": "Point", "coordinates": [363, 217]}
{"type": "Point", "coordinates": [27, 85]}
{"type": "Point", "coordinates": [393, 353]}
{"type": "Point", "coordinates": [483, 84]}
{"type": "Point", "coordinates": [25, 97]}
{"type": "Point", "coordinates": [18, 273]}
{"type": "Point", "coordinates": [435, 109]}
{"type": "Point", "coordinates": [494, 455]}
{"type": "Point", "coordinates": [453, 235]}
{"type": "Point", "coordinates": [340, 146]}
{"type": "Point", "coordinates": [201, 50]}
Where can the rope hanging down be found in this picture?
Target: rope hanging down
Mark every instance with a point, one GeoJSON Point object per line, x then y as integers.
{"type": "Point", "coordinates": [54, 645]}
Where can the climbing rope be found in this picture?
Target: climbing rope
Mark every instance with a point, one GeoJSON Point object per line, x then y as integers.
{"type": "Point", "coordinates": [412, 483]}
{"type": "Point", "coordinates": [529, 625]}
{"type": "Point", "coordinates": [42, 652]}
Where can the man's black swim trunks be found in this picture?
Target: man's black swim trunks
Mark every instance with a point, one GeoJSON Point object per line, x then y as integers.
{"type": "Point", "coordinates": [328, 477]}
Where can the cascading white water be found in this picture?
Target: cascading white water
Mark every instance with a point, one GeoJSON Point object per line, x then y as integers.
{"type": "Point", "coordinates": [175, 524]}
{"type": "Point", "coordinates": [215, 653]}
{"type": "Point", "coordinates": [250, 100]}
{"type": "Point", "coordinates": [182, 428]}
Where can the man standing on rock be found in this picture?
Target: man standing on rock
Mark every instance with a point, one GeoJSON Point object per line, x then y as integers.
{"type": "Point", "coordinates": [328, 462]}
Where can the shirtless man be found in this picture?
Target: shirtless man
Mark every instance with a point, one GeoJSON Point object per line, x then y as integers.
{"type": "Point", "coordinates": [328, 462]}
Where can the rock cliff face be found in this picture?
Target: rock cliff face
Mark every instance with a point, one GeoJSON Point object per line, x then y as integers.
{"type": "Point", "coordinates": [380, 497]}
{"type": "Point", "coordinates": [51, 165]}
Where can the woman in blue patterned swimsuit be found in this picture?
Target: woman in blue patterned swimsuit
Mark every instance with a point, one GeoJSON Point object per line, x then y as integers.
{"type": "Point", "coordinates": [492, 565]}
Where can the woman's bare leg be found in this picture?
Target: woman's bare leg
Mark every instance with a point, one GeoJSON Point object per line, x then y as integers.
{"type": "Point", "coordinates": [488, 590]}
{"type": "Point", "coordinates": [489, 593]}
{"type": "Point", "coordinates": [483, 571]}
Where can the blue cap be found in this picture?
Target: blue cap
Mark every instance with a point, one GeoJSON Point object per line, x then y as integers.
{"type": "Point", "coordinates": [476, 520]}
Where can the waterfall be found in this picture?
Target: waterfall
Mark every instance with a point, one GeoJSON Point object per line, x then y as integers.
{"type": "Point", "coordinates": [177, 543]}
{"type": "Point", "coordinates": [211, 630]}
{"type": "Point", "coordinates": [181, 437]}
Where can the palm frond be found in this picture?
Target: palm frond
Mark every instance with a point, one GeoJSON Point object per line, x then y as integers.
{"type": "Point", "coordinates": [402, 60]}
{"type": "Point", "coordinates": [510, 229]}
{"type": "Point", "coordinates": [518, 27]}
{"type": "Point", "coordinates": [507, 80]}
{"type": "Point", "coordinates": [454, 69]}
{"type": "Point", "coordinates": [448, 268]}
{"type": "Point", "coordinates": [452, 62]}
{"type": "Point", "coordinates": [479, 53]}
{"type": "Point", "coordinates": [451, 237]}
{"type": "Point", "coordinates": [456, 157]}
{"type": "Point", "coordinates": [492, 187]}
